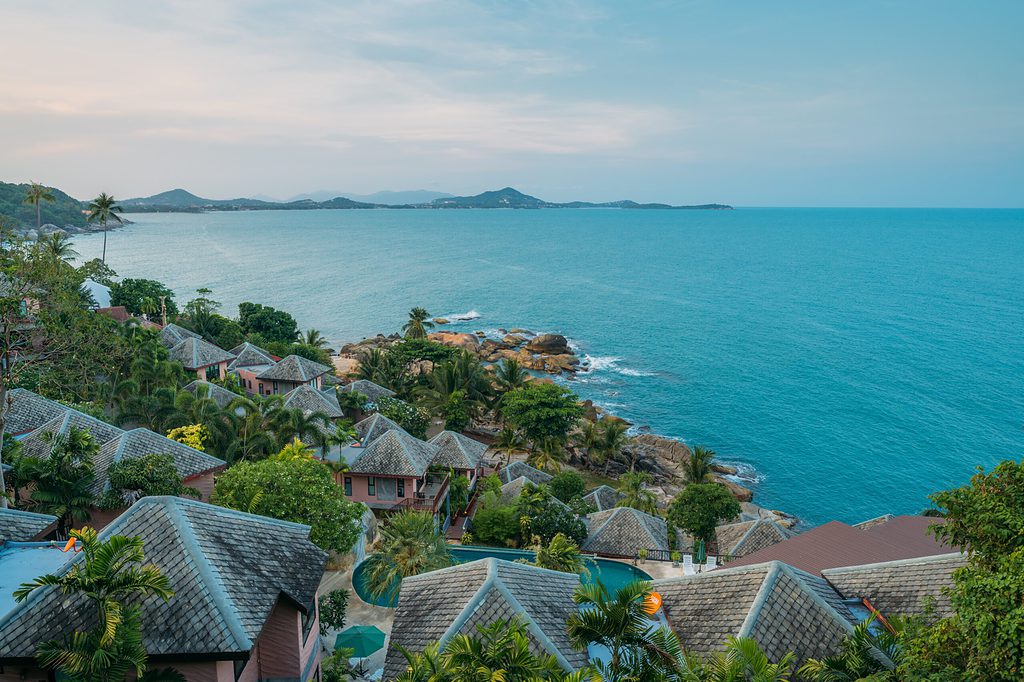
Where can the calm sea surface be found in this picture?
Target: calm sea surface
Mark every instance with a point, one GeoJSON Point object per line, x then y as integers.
{"type": "Point", "coordinates": [855, 359]}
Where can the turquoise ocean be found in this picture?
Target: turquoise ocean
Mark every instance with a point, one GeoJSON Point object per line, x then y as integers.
{"type": "Point", "coordinates": [851, 360]}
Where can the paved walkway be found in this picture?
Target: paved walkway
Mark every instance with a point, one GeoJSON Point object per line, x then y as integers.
{"type": "Point", "coordinates": [358, 613]}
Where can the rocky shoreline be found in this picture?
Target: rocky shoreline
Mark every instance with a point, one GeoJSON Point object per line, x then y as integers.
{"type": "Point", "coordinates": [34, 233]}
{"type": "Point", "coordinates": [660, 456]}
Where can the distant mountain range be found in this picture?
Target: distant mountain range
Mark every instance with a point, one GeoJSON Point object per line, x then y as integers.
{"type": "Point", "coordinates": [179, 200]}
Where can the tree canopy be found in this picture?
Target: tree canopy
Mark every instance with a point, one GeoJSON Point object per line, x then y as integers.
{"type": "Point", "coordinates": [541, 411]}
{"type": "Point", "coordinates": [140, 296]}
{"type": "Point", "coordinates": [269, 323]}
{"type": "Point", "coordinates": [699, 507]}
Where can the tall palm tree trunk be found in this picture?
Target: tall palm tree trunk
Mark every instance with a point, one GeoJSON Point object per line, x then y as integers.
{"type": "Point", "coordinates": [104, 259]}
{"type": "Point", "coordinates": [39, 216]}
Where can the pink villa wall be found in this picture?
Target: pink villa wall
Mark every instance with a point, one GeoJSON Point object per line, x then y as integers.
{"type": "Point", "coordinates": [246, 378]}
{"type": "Point", "coordinates": [203, 483]}
{"type": "Point", "coordinates": [359, 487]}
{"type": "Point", "coordinates": [218, 371]}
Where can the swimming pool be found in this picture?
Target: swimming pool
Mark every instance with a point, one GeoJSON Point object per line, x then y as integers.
{"type": "Point", "coordinates": [613, 574]}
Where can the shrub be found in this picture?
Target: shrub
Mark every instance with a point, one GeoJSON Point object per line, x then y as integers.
{"type": "Point", "coordinates": [567, 485]}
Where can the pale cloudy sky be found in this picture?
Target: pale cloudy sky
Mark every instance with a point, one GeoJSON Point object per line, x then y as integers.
{"type": "Point", "coordinates": [869, 103]}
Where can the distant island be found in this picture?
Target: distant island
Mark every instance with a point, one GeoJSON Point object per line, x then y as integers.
{"type": "Point", "coordinates": [179, 200]}
{"type": "Point", "coordinates": [68, 213]}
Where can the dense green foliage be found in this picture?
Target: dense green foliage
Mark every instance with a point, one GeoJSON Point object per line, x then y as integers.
{"type": "Point", "coordinates": [410, 544]}
{"type": "Point", "coordinates": [541, 411]}
{"type": "Point", "coordinates": [333, 607]}
{"type": "Point", "coordinates": [62, 482]}
{"type": "Point", "coordinates": [300, 490]}
{"type": "Point", "coordinates": [416, 327]}
{"type": "Point", "coordinates": [533, 518]}
{"type": "Point", "coordinates": [560, 554]}
{"type": "Point", "coordinates": [415, 350]}
{"type": "Point", "coordinates": [633, 488]}
{"type": "Point", "coordinates": [409, 417]}
{"type": "Point", "coordinates": [63, 210]}
{"type": "Point", "coordinates": [567, 485]}
{"type": "Point", "coordinates": [269, 323]}
{"type": "Point", "coordinates": [142, 297]}
{"type": "Point", "coordinates": [137, 477]}
{"type": "Point", "coordinates": [699, 507]}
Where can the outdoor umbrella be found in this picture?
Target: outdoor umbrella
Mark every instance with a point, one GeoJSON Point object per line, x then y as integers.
{"type": "Point", "coordinates": [362, 639]}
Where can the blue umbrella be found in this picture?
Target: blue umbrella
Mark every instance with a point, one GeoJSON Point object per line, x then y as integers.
{"type": "Point", "coordinates": [362, 639]}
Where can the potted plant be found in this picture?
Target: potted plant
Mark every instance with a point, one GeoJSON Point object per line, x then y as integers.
{"type": "Point", "coordinates": [642, 555]}
{"type": "Point", "coordinates": [676, 557]}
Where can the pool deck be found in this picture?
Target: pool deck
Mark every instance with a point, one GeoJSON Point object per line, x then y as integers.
{"type": "Point", "coordinates": [357, 613]}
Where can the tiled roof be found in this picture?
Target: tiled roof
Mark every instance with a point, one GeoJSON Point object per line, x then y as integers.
{"type": "Point", "coordinates": [371, 390]}
{"type": "Point", "coordinates": [115, 443]}
{"type": "Point", "coordinates": [22, 526]}
{"type": "Point", "coordinates": [194, 353]}
{"type": "Point", "coordinates": [294, 368]}
{"type": "Point", "coordinates": [517, 469]}
{"type": "Point", "coordinates": [747, 537]}
{"type": "Point", "coordinates": [511, 491]}
{"type": "Point", "coordinates": [783, 608]}
{"type": "Point", "coordinates": [603, 497]}
{"type": "Point", "coordinates": [248, 355]}
{"type": "Point", "coordinates": [395, 453]}
{"type": "Point", "coordinates": [458, 451]}
{"type": "Point", "coordinates": [836, 544]}
{"type": "Point", "coordinates": [624, 531]}
{"type": "Point", "coordinates": [909, 532]}
{"type": "Point", "coordinates": [900, 587]}
{"type": "Point", "coordinates": [310, 400]}
{"type": "Point", "coordinates": [218, 394]}
{"type": "Point", "coordinates": [173, 334]}
{"type": "Point", "coordinates": [374, 426]}
{"type": "Point", "coordinates": [436, 606]}
{"type": "Point", "coordinates": [28, 411]}
{"type": "Point", "coordinates": [227, 569]}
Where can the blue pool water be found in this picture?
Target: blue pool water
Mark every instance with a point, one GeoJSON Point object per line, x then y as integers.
{"type": "Point", "coordinates": [856, 359]}
{"type": "Point", "coordinates": [612, 574]}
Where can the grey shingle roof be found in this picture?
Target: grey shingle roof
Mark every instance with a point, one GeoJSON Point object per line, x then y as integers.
{"type": "Point", "coordinates": [248, 355]}
{"type": "Point", "coordinates": [371, 390]}
{"type": "Point", "coordinates": [517, 469]}
{"type": "Point", "coordinates": [458, 451]}
{"type": "Point", "coordinates": [781, 607]}
{"type": "Point", "coordinates": [173, 334]}
{"type": "Point", "coordinates": [374, 426]}
{"type": "Point", "coordinates": [746, 537]}
{"type": "Point", "coordinates": [437, 606]}
{"type": "Point", "coordinates": [218, 394]}
{"type": "Point", "coordinates": [194, 353]}
{"type": "Point", "coordinates": [511, 491]}
{"type": "Point", "coordinates": [623, 531]}
{"type": "Point", "coordinates": [22, 526]}
{"type": "Point", "coordinates": [294, 368]}
{"type": "Point", "coordinates": [28, 411]}
{"type": "Point", "coordinates": [395, 453]}
{"type": "Point", "coordinates": [899, 587]}
{"type": "Point", "coordinates": [603, 497]}
{"type": "Point", "coordinates": [309, 400]}
{"type": "Point", "coordinates": [115, 443]}
{"type": "Point", "coordinates": [227, 569]}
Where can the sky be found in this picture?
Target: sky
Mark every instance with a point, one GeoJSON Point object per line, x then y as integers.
{"type": "Point", "coordinates": [793, 103]}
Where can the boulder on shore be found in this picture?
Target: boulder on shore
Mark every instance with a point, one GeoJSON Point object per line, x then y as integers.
{"type": "Point", "coordinates": [513, 340]}
{"type": "Point", "coordinates": [549, 344]}
{"type": "Point", "coordinates": [456, 339]}
{"type": "Point", "coordinates": [441, 320]}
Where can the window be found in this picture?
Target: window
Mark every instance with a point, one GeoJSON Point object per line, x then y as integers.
{"type": "Point", "coordinates": [401, 487]}
{"type": "Point", "coordinates": [239, 667]}
{"type": "Point", "coordinates": [371, 486]}
{"type": "Point", "coordinates": [275, 388]}
{"type": "Point", "coordinates": [261, 389]}
{"type": "Point", "coordinates": [348, 486]}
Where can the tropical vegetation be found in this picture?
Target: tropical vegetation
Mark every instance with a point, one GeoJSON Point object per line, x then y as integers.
{"type": "Point", "coordinates": [410, 544]}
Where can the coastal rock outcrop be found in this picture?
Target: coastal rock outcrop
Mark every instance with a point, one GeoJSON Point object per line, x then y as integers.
{"type": "Point", "coordinates": [457, 339]}
{"type": "Point", "coordinates": [548, 344]}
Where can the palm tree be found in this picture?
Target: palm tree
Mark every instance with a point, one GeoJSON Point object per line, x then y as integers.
{"type": "Point", "coordinates": [35, 194]}
{"type": "Point", "coordinates": [57, 248]}
{"type": "Point", "coordinates": [352, 403]}
{"type": "Point", "coordinates": [416, 327]}
{"type": "Point", "coordinates": [111, 574]}
{"type": "Point", "coordinates": [508, 442]}
{"type": "Point", "coordinates": [148, 306]}
{"type": "Point", "coordinates": [63, 486]}
{"type": "Point", "coordinates": [314, 338]}
{"type": "Point", "coordinates": [743, 659]}
{"type": "Point", "coordinates": [410, 544]}
{"type": "Point", "coordinates": [295, 423]}
{"type": "Point", "coordinates": [103, 209]}
{"type": "Point", "coordinates": [500, 651]}
{"type": "Point", "coordinates": [549, 456]}
{"type": "Point", "coordinates": [633, 488]}
{"type": "Point", "coordinates": [509, 376]}
{"type": "Point", "coordinates": [253, 427]}
{"type": "Point", "coordinates": [295, 450]}
{"type": "Point", "coordinates": [858, 655]}
{"type": "Point", "coordinates": [561, 554]}
{"type": "Point", "coordinates": [589, 439]}
{"type": "Point", "coordinates": [613, 439]}
{"type": "Point", "coordinates": [620, 624]}
{"type": "Point", "coordinates": [697, 469]}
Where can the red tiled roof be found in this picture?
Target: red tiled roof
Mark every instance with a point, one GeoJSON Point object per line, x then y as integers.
{"type": "Point", "coordinates": [836, 544]}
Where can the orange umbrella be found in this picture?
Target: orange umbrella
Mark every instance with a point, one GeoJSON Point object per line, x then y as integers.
{"type": "Point", "coordinates": [652, 603]}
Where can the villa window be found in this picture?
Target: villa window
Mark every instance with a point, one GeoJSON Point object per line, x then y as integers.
{"type": "Point", "coordinates": [275, 388]}
{"type": "Point", "coordinates": [348, 486]}
{"type": "Point", "coordinates": [401, 487]}
{"type": "Point", "coordinates": [261, 389]}
{"type": "Point", "coordinates": [371, 486]}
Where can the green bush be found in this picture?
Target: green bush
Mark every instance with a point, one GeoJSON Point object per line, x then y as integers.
{"type": "Point", "coordinates": [567, 485]}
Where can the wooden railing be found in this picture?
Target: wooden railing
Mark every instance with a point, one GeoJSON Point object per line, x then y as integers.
{"type": "Point", "coordinates": [419, 501]}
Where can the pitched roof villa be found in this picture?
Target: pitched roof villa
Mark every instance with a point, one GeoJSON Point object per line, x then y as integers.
{"type": "Point", "coordinates": [904, 586]}
{"type": "Point", "coordinates": [458, 451]}
{"type": "Point", "coordinates": [217, 394]}
{"type": "Point", "coordinates": [309, 401]}
{"type": "Point", "coordinates": [513, 490]}
{"type": "Point", "coordinates": [396, 453]}
{"type": "Point", "coordinates": [371, 390]}
{"type": "Point", "coordinates": [31, 416]}
{"type": "Point", "coordinates": [602, 498]}
{"type": "Point", "coordinates": [516, 469]}
{"type": "Point", "coordinates": [374, 426]}
{"type": "Point", "coordinates": [248, 355]}
{"type": "Point", "coordinates": [746, 537]}
{"type": "Point", "coordinates": [292, 371]}
{"type": "Point", "coordinates": [244, 604]}
{"type": "Point", "coordinates": [439, 605]}
{"type": "Point", "coordinates": [172, 334]}
{"type": "Point", "coordinates": [22, 526]}
{"type": "Point", "coordinates": [623, 532]}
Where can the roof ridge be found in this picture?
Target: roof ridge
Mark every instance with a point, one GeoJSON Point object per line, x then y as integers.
{"type": "Point", "coordinates": [912, 561]}
{"type": "Point", "coordinates": [164, 499]}
{"type": "Point", "coordinates": [794, 572]}
{"type": "Point", "coordinates": [10, 510]}
{"type": "Point", "coordinates": [211, 576]}
{"type": "Point", "coordinates": [723, 570]}
{"type": "Point", "coordinates": [530, 623]}
{"type": "Point", "coordinates": [763, 592]}
{"type": "Point", "coordinates": [472, 603]}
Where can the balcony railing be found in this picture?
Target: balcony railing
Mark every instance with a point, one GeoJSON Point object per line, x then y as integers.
{"type": "Point", "coordinates": [430, 495]}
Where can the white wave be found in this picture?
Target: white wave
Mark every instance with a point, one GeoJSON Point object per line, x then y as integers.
{"type": "Point", "coordinates": [745, 474]}
{"type": "Point", "coordinates": [610, 363]}
{"type": "Point", "coordinates": [461, 317]}
{"type": "Point", "coordinates": [634, 372]}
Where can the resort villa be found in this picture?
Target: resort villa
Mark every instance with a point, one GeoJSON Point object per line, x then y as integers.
{"type": "Point", "coordinates": [31, 417]}
{"type": "Point", "coordinates": [290, 373]}
{"type": "Point", "coordinates": [244, 605]}
{"type": "Point", "coordinates": [251, 361]}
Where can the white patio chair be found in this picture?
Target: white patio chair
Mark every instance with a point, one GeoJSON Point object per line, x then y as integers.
{"type": "Point", "coordinates": [688, 564]}
{"type": "Point", "coordinates": [712, 563]}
